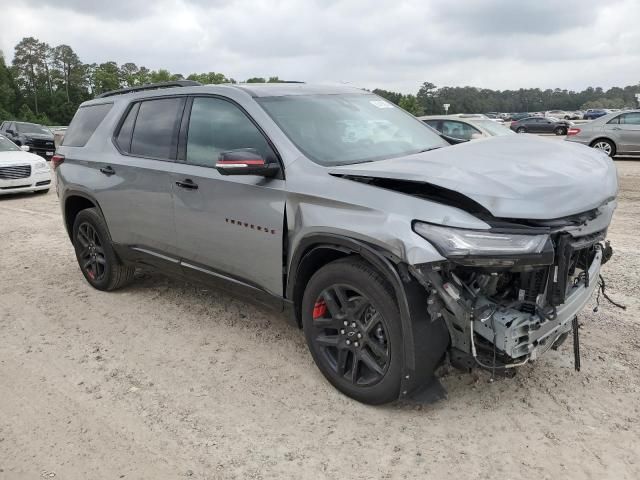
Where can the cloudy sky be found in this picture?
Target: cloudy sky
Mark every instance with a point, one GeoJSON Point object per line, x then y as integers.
{"type": "Point", "coordinates": [391, 44]}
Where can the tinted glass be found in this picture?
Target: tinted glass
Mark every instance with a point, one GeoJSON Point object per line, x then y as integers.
{"type": "Point", "coordinates": [460, 130]}
{"type": "Point", "coordinates": [155, 134]}
{"type": "Point", "coordinates": [124, 135]}
{"type": "Point", "coordinates": [631, 119]}
{"type": "Point", "coordinates": [32, 128]}
{"type": "Point", "coordinates": [84, 123]}
{"type": "Point", "coordinates": [219, 126]}
{"type": "Point", "coordinates": [349, 128]}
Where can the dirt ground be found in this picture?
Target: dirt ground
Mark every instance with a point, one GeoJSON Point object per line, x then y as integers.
{"type": "Point", "coordinates": [169, 380]}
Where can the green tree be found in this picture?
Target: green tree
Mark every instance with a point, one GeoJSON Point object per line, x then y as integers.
{"type": "Point", "coordinates": [106, 77]}
{"type": "Point", "coordinates": [66, 60]}
{"type": "Point", "coordinates": [28, 64]}
{"type": "Point", "coordinates": [411, 105]}
{"type": "Point", "coordinates": [8, 91]}
{"type": "Point", "coordinates": [129, 73]}
{"type": "Point", "coordinates": [426, 98]}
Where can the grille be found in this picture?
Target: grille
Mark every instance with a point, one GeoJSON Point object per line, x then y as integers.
{"type": "Point", "coordinates": [42, 143]}
{"type": "Point", "coordinates": [15, 171]}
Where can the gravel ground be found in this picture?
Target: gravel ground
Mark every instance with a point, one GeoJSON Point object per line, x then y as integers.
{"type": "Point", "coordinates": [170, 380]}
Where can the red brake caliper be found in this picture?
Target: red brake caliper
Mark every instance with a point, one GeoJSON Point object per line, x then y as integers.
{"type": "Point", "coordinates": [319, 309]}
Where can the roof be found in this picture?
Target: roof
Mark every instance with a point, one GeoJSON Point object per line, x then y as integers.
{"type": "Point", "coordinates": [286, 89]}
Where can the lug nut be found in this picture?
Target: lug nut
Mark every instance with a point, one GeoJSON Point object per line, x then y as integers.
{"type": "Point", "coordinates": [342, 332]}
{"type": "Point", "coordinates": [348, 342]}
{"type": "Point", "coordinates": [359, 335]}
{"type": "Point", "coordinates": [353, 324]}
{"type": "Point", "coordinates": [345, 323]}
{"type": "Point", "coordinates": [356, 344]}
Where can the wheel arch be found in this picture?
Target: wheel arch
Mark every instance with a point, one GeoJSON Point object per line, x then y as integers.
{"type": "Point", "coordinates": [425, 342]}
{"type": "Point", "coordinates": [74, 202]}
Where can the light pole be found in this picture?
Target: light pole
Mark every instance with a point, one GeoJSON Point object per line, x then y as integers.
{"type": "Point", "coordinates": [638, 99]}
{"type": "Point", "coordinates": [446, 108]}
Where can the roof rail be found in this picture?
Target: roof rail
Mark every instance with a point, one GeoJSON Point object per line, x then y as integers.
{"type": "Point", "coordinates": [151, 86]}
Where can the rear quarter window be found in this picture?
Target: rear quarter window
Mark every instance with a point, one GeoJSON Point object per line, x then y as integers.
{"type": "Point", "coordinates": [84, 123]}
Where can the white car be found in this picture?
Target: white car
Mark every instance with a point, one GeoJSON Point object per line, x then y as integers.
{"type": "Point", "coordinates": [21, 171]}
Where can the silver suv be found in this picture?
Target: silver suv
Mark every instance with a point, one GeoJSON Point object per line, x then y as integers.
{"type": "Point", "coordinates": [393, 250]}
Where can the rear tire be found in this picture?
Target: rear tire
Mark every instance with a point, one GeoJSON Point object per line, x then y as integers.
{"type": "Point", "coordinates": [521, 130]}
{"type": "Point", "coordinates": [352, 326]}
{"type": "Point", "coordinates": [560, 131]}
{"type": "Point", "coordinates": [607, 146]}
{"type": "Point", "coordinates": [94, 252]}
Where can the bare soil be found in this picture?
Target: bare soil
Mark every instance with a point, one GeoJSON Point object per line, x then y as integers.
{"type": "Point", "coordinates": [166, 379]}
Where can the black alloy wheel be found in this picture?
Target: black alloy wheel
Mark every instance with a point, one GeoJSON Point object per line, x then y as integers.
{"type": "Point", "coordinates": [352, 326]}
{"type": "Point", "coordinates": [97, 260]}
{"type": "Point", "coordinates": [91, 256]}
{"type": "Point", "coordinates": [351, 335]}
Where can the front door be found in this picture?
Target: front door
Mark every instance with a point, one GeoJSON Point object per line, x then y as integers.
{"type": "Point", "coordinates": [229, 226]}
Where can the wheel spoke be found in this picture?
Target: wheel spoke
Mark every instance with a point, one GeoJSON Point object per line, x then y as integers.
{"type": "Point", "coordinates": [326, 322]}
{"type": "Point", "coordinates": [327, 340]}
{"type": "Point", "coordinates": [332, 305]}
{"type": "Point", "coordinates": [377, 349]}
{"type": "Point", "coordinates": [354, 369]}
{"type": "Point", "coordinates": [370, 362]}
{"type": "Point", "coordinates": [341, 361]}
{"type": "Point", "coordinates": [360, 307]}
{"type": "Point", "coordinates": [342, 297]}
{"type": "Point", "coordinates": [373, 321]}
{"type": "Point", "coordinates": [101, 260]}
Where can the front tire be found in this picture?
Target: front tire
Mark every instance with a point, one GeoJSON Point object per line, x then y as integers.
{"type": "Point", "coordinates": [352, 326]}
{"type": "Point", "coordinates": [94, 252]}
{"type": "Point", "coordinates": [560, 131]}
{"type": "Point", "coordinates": [521, 130]}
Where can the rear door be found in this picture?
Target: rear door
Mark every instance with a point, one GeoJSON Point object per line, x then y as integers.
{"type": "Point", "coordinates": [230, 226]}
{"type": "Point", "coordinates": [136, 197]}
{"type": "Point", "coordinates": [629, 132]}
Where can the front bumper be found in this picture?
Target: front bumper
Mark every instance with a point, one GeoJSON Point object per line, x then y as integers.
{"type": "Point", "coordinates": [39, 180]}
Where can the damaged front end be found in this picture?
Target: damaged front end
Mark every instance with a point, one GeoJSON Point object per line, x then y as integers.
{"type": "Point", "coordinates": [507, 295]}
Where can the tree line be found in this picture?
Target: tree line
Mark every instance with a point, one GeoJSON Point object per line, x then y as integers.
{"type": "Point", "coordinates": [45, 84]}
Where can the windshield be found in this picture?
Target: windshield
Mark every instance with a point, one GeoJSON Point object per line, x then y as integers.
{"type": "Point", "coordinates": [32, 128]}
{"type": "Point", "coordinates": [349, 128]}
{"type": "Point", "coordinates": [494, 128]}
{"type": "Point", "coordinates": [7, 145]}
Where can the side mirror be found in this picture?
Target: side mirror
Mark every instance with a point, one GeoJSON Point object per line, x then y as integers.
{"type": "Point", "coordinates": [24, 148]}
{"type": "Point", "coordinates": [246, 162]}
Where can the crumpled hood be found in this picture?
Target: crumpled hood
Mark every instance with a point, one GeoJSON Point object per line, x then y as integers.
{"type": "Point", "coordinates": [514, 176]}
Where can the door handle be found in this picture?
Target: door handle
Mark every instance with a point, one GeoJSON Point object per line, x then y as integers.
{"type": "Point", "coordinates": [188, 184]}
{"type": "Point", "coordinates": [108, 171]}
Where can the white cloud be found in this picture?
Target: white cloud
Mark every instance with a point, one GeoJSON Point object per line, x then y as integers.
{"type": "Point", "coordinates": [377, 43]}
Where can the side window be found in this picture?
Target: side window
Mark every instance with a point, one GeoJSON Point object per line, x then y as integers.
{"type": "Point", "coordinates": [217, 126]}
{"type": "Point", "coordinates": [126, 129]}
{"type": "Point", "coordinates": [616, 120]}
{"type": "Point", "coordinates": [459, 130]}
{"type": "Point", "coordinates": [84, 123]}
{"type": "Point", "coordinates": [630, 118]}
{"type": "Point", "coordinates": [155, 133]}
{"type": "Point", "coordinates": [434, 124]}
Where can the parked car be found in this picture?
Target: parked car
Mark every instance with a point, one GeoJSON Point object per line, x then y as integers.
{"type": "Point", "coordinates": [558, 114]}
{"type": "Point", "coordinates": [577, 115]}
{"type": "Point", "coordinates": [495, 117]}
{"type": "Point", "coordinates": [390, 247]}
{"type": "Point", "coordinates": [541, 125]}
{"type": "Point", "coordinates": [465, 128]}
{"type": "Point", "coordinates": [594, 113]}
{"type": "Point", "coordinates": [617, 133]}
{"type": "Point", "coordinates": [39, 139]}
{"type": "Point", "coordinates": [21, 171]}
{"type": "Point", "coordinates": [519, 116]}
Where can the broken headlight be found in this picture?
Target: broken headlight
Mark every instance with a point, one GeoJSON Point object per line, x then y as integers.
{"type": "Point", "coordinates": [457, 242]}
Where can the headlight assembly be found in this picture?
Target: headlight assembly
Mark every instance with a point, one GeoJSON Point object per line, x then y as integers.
{"type": "Point", "coordinates": [456, 242]}
{"type": "Point", "coordinates": [41, 165]}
